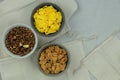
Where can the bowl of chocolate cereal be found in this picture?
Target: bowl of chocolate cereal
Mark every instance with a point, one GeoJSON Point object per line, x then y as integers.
{"type": "Point", "coordinates": [53, 59]}
{"type": "Point", "coordinates": [19, 40]}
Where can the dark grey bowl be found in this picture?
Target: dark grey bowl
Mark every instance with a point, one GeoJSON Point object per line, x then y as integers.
{"type": "Point", "coordinates": [57, 8]}
{"type": "Point", "coordinates": [46, 46]}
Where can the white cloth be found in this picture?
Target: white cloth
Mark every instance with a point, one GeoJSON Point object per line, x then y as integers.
{"type": "Point", "coordinates": [104, 61]}
{"type": "Point", "coordinates": [15, 69]}
{"type": "Point", "coordinates": [9, 5]}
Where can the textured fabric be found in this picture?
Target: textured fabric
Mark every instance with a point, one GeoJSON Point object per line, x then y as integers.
{"type": "Point", "coordinates": [104, 61]}
{"type": "Point", "coordinates": [7, 6]}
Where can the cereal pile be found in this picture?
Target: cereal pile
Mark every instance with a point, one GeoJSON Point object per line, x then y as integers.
{"type": "Point", "coordinates": [20, 40]}
{"type": "Point", "coordinates": [47, 20]}
{"type": "Point", "coordinates": [53, 59]}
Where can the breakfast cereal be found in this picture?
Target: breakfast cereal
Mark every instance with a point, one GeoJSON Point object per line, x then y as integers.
{"type": "Point", "coordinates": [20, 40]}
{"type": "Point", "coordinates": [47, 20]}
{"type": "Point", "coordinates": [53, 59]}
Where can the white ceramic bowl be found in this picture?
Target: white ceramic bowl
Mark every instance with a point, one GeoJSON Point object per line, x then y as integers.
{"type": "Point", "coordinates": [9, 52]}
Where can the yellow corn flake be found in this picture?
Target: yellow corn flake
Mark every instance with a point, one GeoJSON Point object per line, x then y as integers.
{"type": "Point", "coordinates": [47, 20]}
{"type": "Point", "coordinates": [59, 17]}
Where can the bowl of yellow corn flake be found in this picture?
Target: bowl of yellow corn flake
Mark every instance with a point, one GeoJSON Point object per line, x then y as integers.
{"type": "Point", "coordinates": [47, 19]}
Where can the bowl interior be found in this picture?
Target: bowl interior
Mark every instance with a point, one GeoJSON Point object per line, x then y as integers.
{"type": "Point", "coordinates": [57, 8]}
{"type": "Point", "coordinates": [44, 48]}
{"type": "Point", "coordinates": [4, 38]}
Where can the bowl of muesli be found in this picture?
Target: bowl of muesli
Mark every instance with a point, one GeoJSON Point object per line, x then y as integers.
{"type": "Point", "coordinates": [19, 40]}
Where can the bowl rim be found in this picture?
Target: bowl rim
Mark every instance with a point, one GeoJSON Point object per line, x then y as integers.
{"type": "Point", "coordinates": [6, 32]}
{"type": "Point", "coordinates": [46, 46]}
{"type": "Point", "coordinates": [57, 8]}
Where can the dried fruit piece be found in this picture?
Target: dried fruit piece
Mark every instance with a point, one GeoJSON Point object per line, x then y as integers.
{"type": "Point", "coordinates": [26, 46]}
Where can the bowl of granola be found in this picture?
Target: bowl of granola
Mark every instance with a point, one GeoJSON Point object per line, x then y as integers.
{"type": "Point", "coordinates": [53, 59]}
{"type": "Point", "coordinates": [19, 40]}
